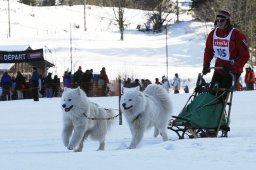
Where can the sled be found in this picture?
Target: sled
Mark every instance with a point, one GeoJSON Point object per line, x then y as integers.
{"type": "Point", "coordinates": [206, 113]}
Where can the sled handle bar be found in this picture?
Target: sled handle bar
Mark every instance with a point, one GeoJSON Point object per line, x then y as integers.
{"type": "Point", "coordinates": [217, 68]}
{"type": "Point", "coordinates": [230, 73]}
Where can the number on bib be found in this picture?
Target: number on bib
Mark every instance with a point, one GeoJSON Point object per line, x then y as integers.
{"type": "Point", "coordinates": [222, 52]}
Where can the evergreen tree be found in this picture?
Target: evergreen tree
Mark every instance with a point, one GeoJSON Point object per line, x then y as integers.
{"type": "Point", "coordinates": [28, 2]}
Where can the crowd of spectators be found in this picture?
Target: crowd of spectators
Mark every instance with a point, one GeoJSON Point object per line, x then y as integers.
{"type": "Point", "coordinates": [21, 87]}
{"type": "Point", "coordinates": [176, 83]}
{"type": "Point", "coordinates": [37, 86]}
{"type": "Point", "coordinates": [92, 84]}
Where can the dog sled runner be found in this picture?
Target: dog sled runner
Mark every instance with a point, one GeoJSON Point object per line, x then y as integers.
{"type": "Point", "coordinates": [206, 112]}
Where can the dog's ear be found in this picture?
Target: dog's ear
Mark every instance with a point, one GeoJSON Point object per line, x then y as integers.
{"type": "Point", "coordinates": [78, 90]}
{"type": "Point", "coordinates": [66, 89]}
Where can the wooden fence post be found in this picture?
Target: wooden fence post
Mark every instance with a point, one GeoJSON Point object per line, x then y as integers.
{"type": "Point", "coordinates": [119, 97]}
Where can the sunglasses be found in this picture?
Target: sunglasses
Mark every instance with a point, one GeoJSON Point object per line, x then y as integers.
{"type": "Point", "coordinates": [220, 20]}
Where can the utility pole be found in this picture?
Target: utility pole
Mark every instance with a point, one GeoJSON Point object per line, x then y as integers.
{"type": "Point", "coordinates": [9, 22]}
{"type": "Point", "coordinates": [71, 57]}
{"type": "Point", "coordinates": [85, 29]}
{"type": "Point", "coordinates": [166, 49]}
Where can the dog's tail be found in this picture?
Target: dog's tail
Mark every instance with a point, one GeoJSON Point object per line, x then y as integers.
{"type": "Point", "coordinates": [161, 95]}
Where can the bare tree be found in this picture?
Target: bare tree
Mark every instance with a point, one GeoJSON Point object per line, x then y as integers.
{"type": "Point", "coordinates": [119, 16]}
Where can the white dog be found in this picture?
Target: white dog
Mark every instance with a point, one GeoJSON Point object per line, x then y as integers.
{"type": "Point", "coordinates": [77, 125]}
{"type": "Point", "coordinates": [152, 108]}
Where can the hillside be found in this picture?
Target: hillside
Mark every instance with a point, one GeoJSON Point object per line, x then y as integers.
{"type": "Point", "coordinates": [142, 55]}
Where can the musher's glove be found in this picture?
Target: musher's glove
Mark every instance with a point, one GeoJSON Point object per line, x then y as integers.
{"type": "Point", "coordinates": [206, 69]}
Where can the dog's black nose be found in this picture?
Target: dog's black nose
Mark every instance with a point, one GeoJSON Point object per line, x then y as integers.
{"type": "Point", "coordinates": [64, 105]}
{"type": "Point", "coordinates": [124, 105]}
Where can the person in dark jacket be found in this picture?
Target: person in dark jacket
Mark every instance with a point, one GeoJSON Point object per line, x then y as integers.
{"type": "Point", "coordinates": [48, 82]}
{"type": "Point", "coordinates": [86, 81]}
{"type": "Point", "coordinates": [229, 46]}
{"type": "Point", "coordinates": [34, 83]}
{"type": "Point", "coordinates": [6, 83]}
{"type": "Point", "coordinates": [20, 85]}
{"type": "Point", "coordinates": [67, 79]}
{"type": "Point", "coordinates": [77, 77]}
{"type": "Point", "coordinates": [55, 86]}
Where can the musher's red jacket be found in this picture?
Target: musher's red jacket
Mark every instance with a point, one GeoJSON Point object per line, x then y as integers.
{"type": "Point", "coordinates": [238, 48]}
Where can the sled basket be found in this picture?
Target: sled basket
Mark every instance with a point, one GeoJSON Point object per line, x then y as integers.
{"type": "Point", "coordinates": [203, 112]}
{"type": "Point", "coordinates": [206, 112]}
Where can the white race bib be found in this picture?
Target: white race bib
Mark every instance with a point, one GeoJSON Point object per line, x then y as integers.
{"type": "Point", "coordinates": [221, 46]}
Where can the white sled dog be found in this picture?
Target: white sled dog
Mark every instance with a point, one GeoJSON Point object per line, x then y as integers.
{"type": "Point", "coordinates": [143, 110]}
{"type": "Point", "coordinates": [77, 125]}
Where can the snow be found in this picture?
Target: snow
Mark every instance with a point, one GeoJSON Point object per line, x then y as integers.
{"type": "Point", "coordinates": [30, 133]}
{"type": "Point", "coordinates": [30, 138]}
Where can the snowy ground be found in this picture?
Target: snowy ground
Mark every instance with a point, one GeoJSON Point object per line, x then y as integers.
{"type": "Point", "coordinates": [30, 138]}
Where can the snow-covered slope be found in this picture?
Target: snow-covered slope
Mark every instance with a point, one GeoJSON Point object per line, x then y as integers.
{"type": "Point", "coordinates": [141, 55]}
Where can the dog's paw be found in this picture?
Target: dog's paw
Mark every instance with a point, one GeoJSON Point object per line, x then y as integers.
{"type": "Point", "coordinates": [78, 150]}
{"type": "Point", "coordinates": [70, 147]}
{"type": "Point", "coordinates": [156, 132]}
{"type": "Point", "coordinates": [65, 144]}
{"type": "Point", "coordinates": [131, 147]}
{"type": "Point", "coordinates": [100, 150]}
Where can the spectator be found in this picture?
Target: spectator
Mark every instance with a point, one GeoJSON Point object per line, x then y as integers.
{"type": "Point", "coordinates": [91, 85]}
{"type": "Point", "coordinates": [27, 93]}
{"type": "Point", "coordinates": [35, 83]}
{"type": "Point", "coordinates": [67, 80]}
{"type": "Point", "coordinates": [13, 91]}
{"type": "Point", "coordinates": [48, 82]}
{"type": "Point", "coordinates": [128, 82]}
{"type": "Point", "coordinates": [157, 81]}
{"type": "Point", "coordinates": [104, 77]}
{"type": "Point", "coordinates": [6, 83]}
{"type": "Point", "coordinates": [147, 82]}
{"type": "Point", "coordinates": [77, 77]}
{"type": "Point", "coordinates": [20, 85]}
{"type": "Point", "coordinates": [86, 81]}
{"type": "Point", "coordinates": [143, 84]}
{"type": "Point", "coordinates": [186, 85]}
{"type": "Point", "coordinates": [176, 83]}
{"type": "Point", "coordinates": [249, 79]}
{"type": "Point", "coordinates": [136, 83]}
{"type": "Point", "coordinates": [55, 86]}
{"type": "Point", "coordinates": [41, 90]}
{"type": "Point", "coordinates": [165, 83]}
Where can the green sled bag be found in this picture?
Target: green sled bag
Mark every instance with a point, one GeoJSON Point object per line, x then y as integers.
{"type": "Point", "coordinates": [203, 112]}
